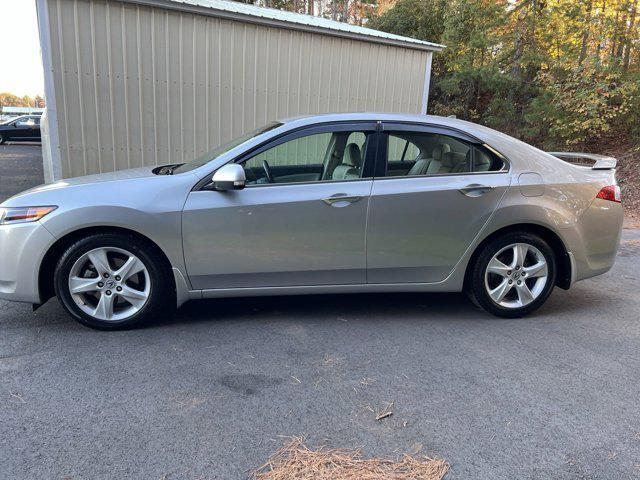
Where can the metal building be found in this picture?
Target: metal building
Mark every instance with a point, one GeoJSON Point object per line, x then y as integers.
{"type": "Point", "coordinates": [130, 83]}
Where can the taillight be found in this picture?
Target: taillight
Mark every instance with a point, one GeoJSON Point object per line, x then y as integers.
{"type": "Point", "coordinates": [611, 193]}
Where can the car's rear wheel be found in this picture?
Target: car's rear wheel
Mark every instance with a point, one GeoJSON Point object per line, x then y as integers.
{"type": "Point", "coordinates": [2, 140]}
{"type": "Point", "coordinates": [110, 281]}
{"type": "Point", "coordinates": [513, 275]}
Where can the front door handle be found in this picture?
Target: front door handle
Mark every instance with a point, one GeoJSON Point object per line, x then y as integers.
{"type": "Point", "coordinates": [341, 200]}
{"type": "Point", "coordinates": [476, 190]}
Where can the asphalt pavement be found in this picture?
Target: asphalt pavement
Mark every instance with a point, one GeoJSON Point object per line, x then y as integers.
{"type": "Point", "coordinates": [212, 392]}
{"type": "Point", "coordinates": [20, 168]}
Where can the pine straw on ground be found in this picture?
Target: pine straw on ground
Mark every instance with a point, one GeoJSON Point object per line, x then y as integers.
{"type": "Point", "coordinates": [295, 461]}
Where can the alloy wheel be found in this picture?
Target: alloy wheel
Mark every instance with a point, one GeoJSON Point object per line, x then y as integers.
{"type": "Point", "coordinates": [109, 283]}
{"type": "Point", "coordinates": [516, 275]}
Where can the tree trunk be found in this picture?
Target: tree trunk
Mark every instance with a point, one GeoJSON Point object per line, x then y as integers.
{"type": "Point", "coordinates": [345, 11]}
{"type": "Point", "coordinates": [622, 41]}
{"type": "Point", "coordinates": [310, 7]}
{"type": "Point", "coordinates": [629, 35]}
{"type": "Point", "coordinates": [585, 34]}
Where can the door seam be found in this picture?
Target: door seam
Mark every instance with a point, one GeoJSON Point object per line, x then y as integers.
{"type": "Point", "coordinates": [366, 234]}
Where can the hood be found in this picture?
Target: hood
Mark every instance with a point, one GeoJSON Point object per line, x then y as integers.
{"type": "Point", "coordinates": [130, 174]}
{"type": "Point", "coordinates": [66, 186]}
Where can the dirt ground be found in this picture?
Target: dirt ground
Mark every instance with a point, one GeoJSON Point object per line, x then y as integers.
{"type": "Point", "coordinates": [628, 175]}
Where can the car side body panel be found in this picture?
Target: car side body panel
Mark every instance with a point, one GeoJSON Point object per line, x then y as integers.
{"type": "Point", "coordinates": [436, 224]}
{"type": "Point", "coordinates": [277, 235]}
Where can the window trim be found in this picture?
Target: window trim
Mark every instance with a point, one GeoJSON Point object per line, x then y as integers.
{"type": "Point", "coordinates": [390, 127]}
{"type": "Point", "coordinates": [369, 162]}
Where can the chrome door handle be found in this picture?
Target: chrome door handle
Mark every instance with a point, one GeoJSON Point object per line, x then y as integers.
{"type": "Point", "coordinates": [476, 190]}
{"type": "Point", "coordinates": [341, 200]}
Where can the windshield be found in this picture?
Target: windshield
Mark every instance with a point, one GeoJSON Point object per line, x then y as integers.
{"type": "Point", "coordinates": [215, 153]}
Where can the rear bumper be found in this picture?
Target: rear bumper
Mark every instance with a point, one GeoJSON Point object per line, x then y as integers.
{"type": "Point", "coordinates": [22, 248]}
{"type": "Point", "coordinates": [599, 231]}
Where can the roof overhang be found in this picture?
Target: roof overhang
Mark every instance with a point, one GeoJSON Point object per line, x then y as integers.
{"type": "Point", "coordinates": [271, 17]}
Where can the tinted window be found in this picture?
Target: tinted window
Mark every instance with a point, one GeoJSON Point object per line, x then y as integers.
{"type": "Point", "coordinates": [421, 153]}
{"type": "Point", "coordinates": [319, 157]}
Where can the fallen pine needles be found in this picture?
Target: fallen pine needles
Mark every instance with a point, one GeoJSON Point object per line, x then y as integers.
{"type": "Point", "coordinates": [295, 461]}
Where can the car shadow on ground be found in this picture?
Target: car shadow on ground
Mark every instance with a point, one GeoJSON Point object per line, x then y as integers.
{"type": "Point", "coordinates": [438, 307]}
{"type": "Point", "coordinates": [327, 306]}
{"type": "Point", "coordinates": [364, 307]}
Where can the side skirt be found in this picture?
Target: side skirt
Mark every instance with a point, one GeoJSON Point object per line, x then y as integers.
{"type": "Point", "coordinates": [321, 289]}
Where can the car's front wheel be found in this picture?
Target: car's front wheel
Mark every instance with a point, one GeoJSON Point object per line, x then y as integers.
{"type": "Point", "coordinates": [2, 140]}
{"type": "Point", "coordinates": [110, 281]}
{"type": "Point", "coordinates": [513, 275]}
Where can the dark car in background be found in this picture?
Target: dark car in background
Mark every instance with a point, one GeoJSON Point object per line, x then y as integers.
{"type": "Point", "coordinates": [22, 129]}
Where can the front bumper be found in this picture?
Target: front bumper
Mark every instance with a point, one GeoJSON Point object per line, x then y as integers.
{"type": "Point", "coordinates": [22, 248]}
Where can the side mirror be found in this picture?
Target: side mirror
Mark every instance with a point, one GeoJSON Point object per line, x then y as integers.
{"type": "Point", "coordinates": [229, 177]}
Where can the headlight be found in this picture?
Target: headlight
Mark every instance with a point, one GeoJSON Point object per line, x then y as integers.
{"type": "Point", "coordinates": [11, 215]}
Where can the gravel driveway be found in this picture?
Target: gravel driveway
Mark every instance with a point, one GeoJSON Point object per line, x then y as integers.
{"type": "Point", "coordinates": [211, 393]}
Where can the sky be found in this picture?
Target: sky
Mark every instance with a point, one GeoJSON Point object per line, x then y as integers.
{"type": "Point", "coordinates": [21, 65]}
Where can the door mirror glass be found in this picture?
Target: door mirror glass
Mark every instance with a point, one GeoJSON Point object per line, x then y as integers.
{"type": "Point", "coordinates": [229, 177]}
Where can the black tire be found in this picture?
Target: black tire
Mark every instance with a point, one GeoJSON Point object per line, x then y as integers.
{"type": "Point", "coordinates": [476, 281]}
{"type": "Point", "coordinates": [161, 299]}
{"type": "Point", "coordinates": [2, 140]}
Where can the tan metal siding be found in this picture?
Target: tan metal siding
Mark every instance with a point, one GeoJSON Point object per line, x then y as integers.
{"type": "Point", "coordinates": [140, 85]}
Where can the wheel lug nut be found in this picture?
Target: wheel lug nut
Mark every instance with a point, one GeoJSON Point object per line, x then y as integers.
{"type": "Point", "coordinates": [509, 272]}
{"type": "Point", "coordinates": [510, 282]}
{"type": "Point", "coordinates": [118, 277]}
{"type": "Point", "coordinates": [108, 292]}
{"type": "Point", "coordinates": [519, 282]}
{"type": "Point", "coordinates": [100, 284]}
{"type": "Point", "coordinates": [517, 268]}
{"type": "Point", "coordinates": [119, 289]}
{"type": "Point", "coordinates": [106, 275]}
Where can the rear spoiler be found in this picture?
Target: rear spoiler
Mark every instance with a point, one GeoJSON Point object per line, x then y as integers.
{"type": "Point", "coordinates": [602, 162]}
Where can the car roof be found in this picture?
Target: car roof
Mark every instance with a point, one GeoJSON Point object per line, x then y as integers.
{"type": "Point", "coordinates": [470, 128]}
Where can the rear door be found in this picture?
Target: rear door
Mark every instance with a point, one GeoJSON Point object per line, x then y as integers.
{"type": "Point", "coordinates": [423, 219]}
{"type": "Point", "coordinates": [35, 133]}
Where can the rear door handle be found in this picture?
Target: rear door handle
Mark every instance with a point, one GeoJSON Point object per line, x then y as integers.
{"type": "Point", "coordinates": [341, 200]}
{"type": "Point", "coordinates": [476, 190]}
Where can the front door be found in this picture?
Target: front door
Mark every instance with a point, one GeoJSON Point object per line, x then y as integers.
{"type": "Point", "coordinates": [301, 219]}
{"type": "Point", "coordinates": [26, 128]}
{"type": "Point", "coordinates": [426, 208]}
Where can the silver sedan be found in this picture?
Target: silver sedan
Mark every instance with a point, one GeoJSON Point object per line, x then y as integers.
{"type": "Point", "coordinates": [322, 204]}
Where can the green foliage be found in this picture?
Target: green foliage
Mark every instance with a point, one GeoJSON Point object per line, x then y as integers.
{"type": "Point", "coordinates": [553, 72]}
{"type": "Point", "coordinates": [11, 100]}
{"type": "Point", "coordinates": [416, 18]}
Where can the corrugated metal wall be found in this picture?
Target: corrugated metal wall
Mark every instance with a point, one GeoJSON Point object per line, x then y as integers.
{"type": "Point", "coordinates": [139, 85]}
